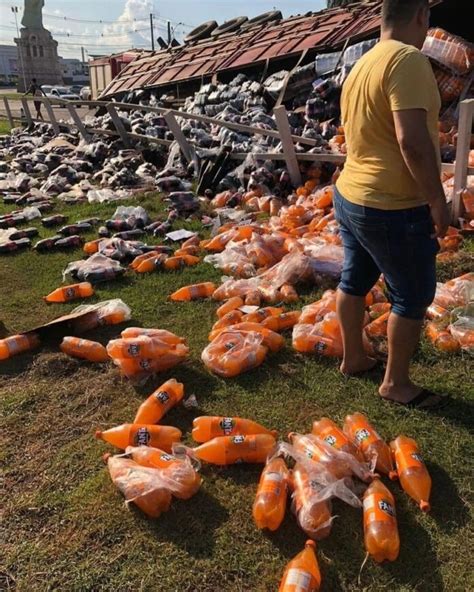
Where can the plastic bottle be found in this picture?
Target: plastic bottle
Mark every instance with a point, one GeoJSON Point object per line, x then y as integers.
{"type": "Point", "coordinates": [160, 402]}
{"type": "Point", "coordinates": [441, 338]}
{"type": "Point", "coordinates": [139, 485]}
{"type": "Point", "coordinates": [436, 312]}
{"type": "Point", "coordinates": [178, 474]}
{"type": "Point", "coordinates": [289, 294]}
{"type": "Point", "coordinates": [229, 305]}
{"type": "Point", "coordinates": [231, 318]}
{"type": "Point", "coordinates": [193, 292]}
{"type": "Point", "coordinates": [84, 349]}
{"type": "Point", "coordinates": [129, 434]}
{"type": "Point", "coordinates": [328, 431]}
{"type": "Point", "coordinates": [174, 263]}
{"type": "Point", "coordinates": [412, 471]}
{"type": "Point", "coordinates": [270, 502]}
{"type": "Point", "coordinates": [161, 334]}
{"type": "Point", "coordinates": [284, 321]}
{"type": "Point", "coordinates": [228, 450]}
{"type": "Point", "coordinates": [313, 516]}
{"type": "Point", "coordinates": [380, 523]}
{"type": "Point", "coordinates": [261, 314]}
{"type": "Point", "coordinates": [47, 244]}
{"type": "Point", "coordinates": [92, 247]}
{"type": "Point", "coordinates": [72, 292]}
{"type": "Point", "coordinates": [206, 428]}
{"type": "Point", "coordinates": [361, 433]}
{"type": "Point", "coordinates": [17, 344]}
{"type": "Point", "coordinates": [137, 347]}
{"type": "Point", "coordinates": [54, 220]}
{"type": "Point", "coordinates": [302, 573]}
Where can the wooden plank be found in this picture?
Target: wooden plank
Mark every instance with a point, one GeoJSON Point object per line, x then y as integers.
{"type": "Point", "coordinates": [304, 157]}
{"type": "Point", "coordinates": [8, 112]}
{"type": "Point", "coordinates": [283, 125]}
{"type": "Point", "coordinates": [466, 113]}
{"type": "Point", "coordinates": [78, 123]}
{"type": "Point", "coordinates": [177, 132]}
{"type": "Point", "coordinates": [26, 111]}
{"type": "Point", "coordinates": [51, 115]}
{"type": "Point", "coordinates": [286, 80]}
{"type": "Point", "coordinates": [122, 132]}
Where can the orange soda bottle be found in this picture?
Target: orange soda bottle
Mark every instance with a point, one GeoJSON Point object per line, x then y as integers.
{"type": "Point", "coordinates": [137, 347]}
{"type": "Point", "coordinates": [139, 485]}
{"type": "Point", "coordinates": [378, 327]}
{"type": "Point", "coordinates": [161, 334]}
{"type": "Point", "coordinates": [160, 402]}
{"type": "Point", "coordinates": [302, 573]}
{"type": "Point", "coordinates": [314, 517]}
{"type": "Point", "coordinates": [441, 338]}
{"type": "Point", "coordinates": [135, 264]}
{"type": "Point", "coordinates": [253, 298]}
{"type": "Point", "coordinates": [16, 344]}
{"type": "Point", "coordinates": [435, 312]}
{"type": "Point", "coordinates": [358, 429]}
{"type": "Point", "coordinates": [412, 471]}
{"type": "Point", "coordinates": [330, 433]}
{"type": "Point", "coordinates": [231, 318]}
{"type": "Point", "coordinates": [193, 292]}
{"type": "Point", "coordinates": [150, 264]}
{"type": "Point", "coordinates": [380, 523]}
{"type": "Point", "coordinates": [92, 247]}
{"type": "Point", "coordinates": [228, 450]}
{"type": "Point", "coordinates": [84, 349]}
{"type": "Point", "coordinates": [133, 434]}
{"type": "Point", "coordinates": [207, 427]}
{"type": "Point", "coordinates": [285, 320]}
{"type": "Point", "coordinates": [270, 502]}
{"type": "Point", "coordinates": [229, 305]}
{"type": "Point", "coordinates": [179, 475]}
{"type": "Point", "coordinates": [72, 292]}
{"type": "Point", "coordinates": [289, 294]}
{"type": "Point", "coordinates": [261, 314]}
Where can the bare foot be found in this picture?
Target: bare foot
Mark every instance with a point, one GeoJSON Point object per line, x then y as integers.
{"type": "Point", "coordinates": [407, 393]}
{"type": "Point", "coordinates": [355, 367]}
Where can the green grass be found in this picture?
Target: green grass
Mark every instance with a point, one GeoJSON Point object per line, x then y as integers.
{"type": "Point", "coordinates": [65, 526]}
{"type": "Point", "coordinates": [4, 127]}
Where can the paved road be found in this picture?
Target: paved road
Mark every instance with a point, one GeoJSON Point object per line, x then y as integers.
{"type": "Point", "coordinates": [60, 112]}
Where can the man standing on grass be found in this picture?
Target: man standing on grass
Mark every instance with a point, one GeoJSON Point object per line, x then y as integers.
{"type": "Point", "coordinates": [36, 90]}
{"type": "Point", "coordinates": [389, 199]}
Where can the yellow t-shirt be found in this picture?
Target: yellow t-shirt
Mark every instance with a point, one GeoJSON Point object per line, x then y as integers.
{"type": "Point", "coordinates": [390, 77]}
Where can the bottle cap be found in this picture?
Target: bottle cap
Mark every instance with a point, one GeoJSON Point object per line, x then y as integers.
{"type": "Point", "coordinates": [393, 475]}
{"type": "Point", "coordinates": [98, 434]}
{"type": "Point", "coordinates": [425, 506]}
{"type": "Point", "coordinates": [310, 543]}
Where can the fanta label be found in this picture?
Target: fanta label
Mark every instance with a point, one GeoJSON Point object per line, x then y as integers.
{"type": "Point", "coordinates": [133, 349]}
{"type": "Point", "coordinates": [227, 425]}
{"type": "Point", "coordinates": [300, 579]}
{"type": "Point", "coordinates": [162, 397]}
{"type": "Point", "coordinates": [70, 293]}
{"type": "Point", "coordinates": [142, 437]}
{"type": "Point", "coordinates": [166, 457]}
{"type": "Point", "coordinates": [407, 457]}
{"type": "Point", "coordinates": [377, 508]}
{"type": "Point", "coordinates": [331, 440]}
{"type": "Point", "coordinates": [238, 439]}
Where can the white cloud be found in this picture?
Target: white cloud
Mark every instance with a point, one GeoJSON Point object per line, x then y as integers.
{"type": "Point", "coordinates": [130, 34]}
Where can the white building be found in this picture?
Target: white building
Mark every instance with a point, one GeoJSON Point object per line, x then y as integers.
{"type": "Point", "coordinates": [9, 66]}
{"type": "Point", "coordinates": [74, 71]}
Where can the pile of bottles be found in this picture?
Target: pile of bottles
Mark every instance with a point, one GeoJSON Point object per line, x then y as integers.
{"type": "Point", "coordinates": [148, 475]}
{"type": "Point", "coordinates": [140, 353]}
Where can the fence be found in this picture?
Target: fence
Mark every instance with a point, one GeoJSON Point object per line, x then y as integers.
{"type": "Point", "coordinates": [289, 155]}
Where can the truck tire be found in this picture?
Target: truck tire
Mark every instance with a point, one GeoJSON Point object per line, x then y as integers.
{"type": "Point", "coordinates": [201, 32]}
{"type": "Point", "coordinates": [229, 26]}
{"type": "Point", "coordinates": [266, 17]}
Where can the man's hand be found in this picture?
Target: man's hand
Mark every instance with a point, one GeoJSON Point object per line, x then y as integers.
{"type": "Point", "coordinates": [440, 215]}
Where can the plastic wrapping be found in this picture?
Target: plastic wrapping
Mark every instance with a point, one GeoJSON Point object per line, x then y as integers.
{"type": "Point", "coordinates": [463, 330]}
{"type": "Point", "coordinates": [449, 50]}
{"type": "Point", "coordinates": [97, 268]}
{"type": "Point", "coordinates": [234, 352]}
{"type": "Point", "coordinates": [456, 292]}
{"type": "Point", "coordinates": [142, 486]}
{"type": "Point", "coordinates": [323, 337]}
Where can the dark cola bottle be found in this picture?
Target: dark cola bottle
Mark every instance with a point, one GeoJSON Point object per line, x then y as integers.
{"type": "Point", "coordinates": [70, 242]}
{"type": "Point", "coordinates": [47, 244]}
{"type": "Point", "coordinates": [54, 220]}
{"type": "Point", "coordinates": [75, 229]}
{"type": "Point", "coordinates": [25, 233]}
{"type": "Point", "coordinates": [130, 234]}
{"type": "Point", "coordinates": [12, 246]}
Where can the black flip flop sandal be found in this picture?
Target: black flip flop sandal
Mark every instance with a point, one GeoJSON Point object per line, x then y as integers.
{"type": "Point", "coordinates": [417, 402]}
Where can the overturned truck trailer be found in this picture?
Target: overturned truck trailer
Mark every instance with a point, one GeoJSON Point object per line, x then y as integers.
{"type": "Point", "coordinates": [259, 47]}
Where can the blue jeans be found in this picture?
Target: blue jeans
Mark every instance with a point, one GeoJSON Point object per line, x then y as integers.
{"type": "Point", "coordinates": [396, 243]}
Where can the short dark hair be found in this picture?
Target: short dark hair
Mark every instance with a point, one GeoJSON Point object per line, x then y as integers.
{"type": "Point", "coordinates": [33, 80]}
{"type": "Point", "coordinates": [400, 11]}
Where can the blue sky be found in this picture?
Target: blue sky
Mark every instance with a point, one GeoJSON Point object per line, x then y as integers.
{"type": "Point", "coordinates": [128, 20]}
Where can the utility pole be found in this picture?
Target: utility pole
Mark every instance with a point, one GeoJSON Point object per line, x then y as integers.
{"type": "Point", "coordinates": [83, 56]}
{"type": "Point", "coordinates": [152, 33]}
{"type": "Point", "coordinates": [169, 33]}
{"type": "Point", "coordinates": [15, 12]}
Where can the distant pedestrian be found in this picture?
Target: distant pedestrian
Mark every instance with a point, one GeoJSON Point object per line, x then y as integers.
{"type": "Point", "coordinates": [36, 90]}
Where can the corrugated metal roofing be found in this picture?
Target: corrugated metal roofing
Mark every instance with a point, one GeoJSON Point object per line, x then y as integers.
{"type": "Point", "coordinates": [319, 31]}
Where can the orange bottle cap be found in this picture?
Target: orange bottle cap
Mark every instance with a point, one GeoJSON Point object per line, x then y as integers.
{"type": "Point", "coordinates": [310, 543]}
{"type": "Point", "coordinates": [393, 475]}
{"type": "Point", "coordinates": [425, 506]}
{"type": "Point", "coordinates": [98, 434]}
{"type": "Point", "coordinates": [106, 457]}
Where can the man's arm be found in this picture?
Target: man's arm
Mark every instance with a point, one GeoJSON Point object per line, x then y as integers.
{"type": "Point", "coordinates": [419, 155]}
